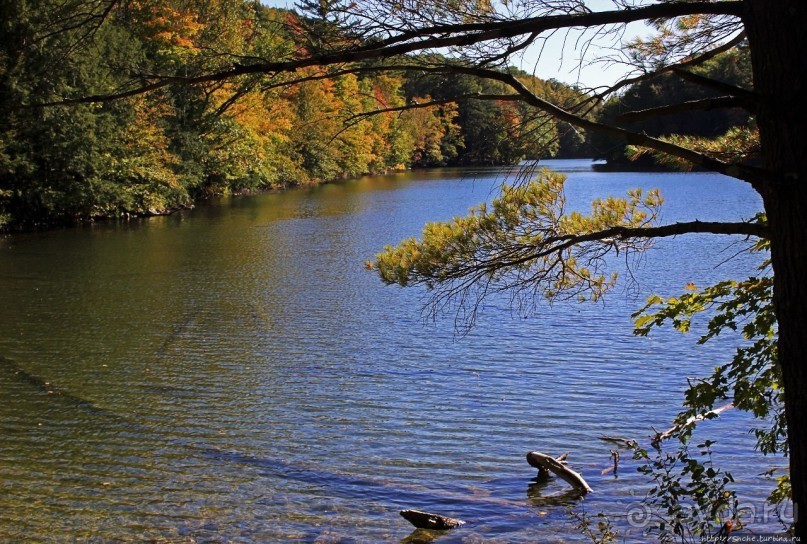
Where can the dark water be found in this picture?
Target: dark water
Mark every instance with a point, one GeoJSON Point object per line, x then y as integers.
{"type": "Point", "coordinates": [234, 374]}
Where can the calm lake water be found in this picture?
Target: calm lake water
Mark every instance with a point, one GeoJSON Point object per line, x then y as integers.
{"type": "Point", "coordinates": [234, 374]}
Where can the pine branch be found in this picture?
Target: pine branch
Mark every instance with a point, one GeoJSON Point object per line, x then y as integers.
{"type": "Point", "coordinates": [558, 244]}
{"type": "Point", "coordinates": [555, 246]}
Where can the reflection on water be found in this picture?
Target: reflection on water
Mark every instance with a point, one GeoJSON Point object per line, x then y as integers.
{"type": "Point", "coordinates": [233, 373]}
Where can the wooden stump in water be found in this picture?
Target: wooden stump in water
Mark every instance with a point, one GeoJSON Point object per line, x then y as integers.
{"type": "Point", "coordinates": [544, 462]}
{"type": "Point", "coordinates": [425, 520]}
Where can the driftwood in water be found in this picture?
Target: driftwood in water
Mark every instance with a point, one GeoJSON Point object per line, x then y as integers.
{"type": "Point", "coordinates": [660, 437]}
{"type": "Point", "coordinates": [559, 468]}
{"type": "Point", "coordinates": [622, 442]}
{"type": "Point", "coordinates": [425, 520]}
{"type": "Point", "coordinates": [615, 463]}
{"type": "Point", "coordinates": [543, 473]}
{"type": "Point", "coordinates": [615, 457]}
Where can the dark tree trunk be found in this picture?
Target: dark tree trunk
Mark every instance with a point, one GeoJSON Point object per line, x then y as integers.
{"type": "Point", "coordinates": [776, 31]}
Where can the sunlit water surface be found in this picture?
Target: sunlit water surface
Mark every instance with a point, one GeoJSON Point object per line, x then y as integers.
{"type": "Point", "coordinates": [233, 373]}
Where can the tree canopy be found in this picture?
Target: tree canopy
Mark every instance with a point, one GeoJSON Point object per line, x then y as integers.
{"type": "Point", "coordinates": [155, 152]}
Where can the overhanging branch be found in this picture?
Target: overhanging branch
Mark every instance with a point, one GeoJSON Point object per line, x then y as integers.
{"type": "Point", "coordinates": [471, 33]}
{"type": "Point", "coordinates": [755, 176]}
{"type": "Point", "coordinates": [436, 37]}
{"type": "Point", "coordinates": [744, 94]}
{"type": "Point", "coordinates": [525, 264]}
{"type": "Point", "coordinates": [694, 61]}
{"type": "Point", "coordinates": [558, 244]}
{"type": "Point", "coordinates": [742, 228]}
{"type": "Point", "coordinates": [432, 103]}
{"type": "Point", "coordinates": [685, 107]}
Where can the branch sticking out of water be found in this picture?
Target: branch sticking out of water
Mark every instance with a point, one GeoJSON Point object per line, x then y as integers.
{"type": "Point", "coordinates": [541, 461]}
{"type": "Point", "coordinates": [425, 520]}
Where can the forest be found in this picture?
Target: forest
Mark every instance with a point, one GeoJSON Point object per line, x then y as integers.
{"type": "Point", "coordinates": [157, 152]}
{"type": "Point", "coordinates": [154, 153]}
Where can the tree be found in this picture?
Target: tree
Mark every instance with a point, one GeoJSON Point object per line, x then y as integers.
{"type": "Point", "coordinates": [86, 161]}
{"type": "Point", "coordinates": [773, 38]}
{"type": "Point", "coordinates": [688, 34]}
{"type": "Point", "coordinates": [483, 36]}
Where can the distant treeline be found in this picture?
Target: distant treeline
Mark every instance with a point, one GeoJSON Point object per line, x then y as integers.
{"type": "Point", "coordinates": [155, 152]}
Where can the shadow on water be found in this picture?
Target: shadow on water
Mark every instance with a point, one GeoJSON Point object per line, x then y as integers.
{"type": "Point", "coordinates": [446, 499]}
{"type": "Point", "coordinates": [422, 536]}
{"type": "Point", "coordinates": [45, 387]}
{"type": "Point", "coordinates": [537, 494]}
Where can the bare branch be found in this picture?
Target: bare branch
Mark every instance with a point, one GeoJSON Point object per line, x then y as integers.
{"type": "Point", "coordinates": [431, 103]}
{"type": "Point", "coordinates": [684, 107]}
{"type": "Point", "coordinates": [694, 61]}
{"type": "Point", "coordinates": [471, 33]}
{"type": "Point", "coordinates": [357, 118]}
{"type": "Point", "coordinates": [504, 55]}
{"type": "Point", "coordinates": [77, 21]}
{"type": "Point", "coordinates": [755, 176]}
{"type": "Point", "coordinates": [749, 96]}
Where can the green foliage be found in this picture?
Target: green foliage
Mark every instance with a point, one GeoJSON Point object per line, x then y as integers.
{"type": "Point", "coordinates": [84, 161]}
{"type": "Point", "coordinates": [690, 499]}
{"type": "Point", "coordinates": [598, 529]}
{"type": "Point", "coordinates": [752, 379]}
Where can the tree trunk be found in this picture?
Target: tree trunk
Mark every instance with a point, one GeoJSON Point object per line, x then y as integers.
{"type": "Point", "coordinates": [776, 32]}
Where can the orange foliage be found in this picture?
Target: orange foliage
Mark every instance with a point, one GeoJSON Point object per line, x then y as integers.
{"type": "Point", "coordinates": [167, 25]}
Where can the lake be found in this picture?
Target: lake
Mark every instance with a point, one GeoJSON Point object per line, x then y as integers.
{"type": "Point", "coordinates": [233, 373]}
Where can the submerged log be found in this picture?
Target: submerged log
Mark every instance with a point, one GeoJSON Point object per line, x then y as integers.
{"type": "Point", "coordinates": [425, 520]}
{"type": "Point", "coordinates": [659, 437]}
{"type": "Point", "coordinates": [536, 496]}
{"type": "Point", "coordinates": [545, 462]}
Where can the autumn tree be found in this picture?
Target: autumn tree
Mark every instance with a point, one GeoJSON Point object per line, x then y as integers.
{"type": "Point", "coordinates": [549, 253]}
{"type": "Point", "coordinates": [91, 160]}
{"type": "Point", "coordinates": [150, 153]}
